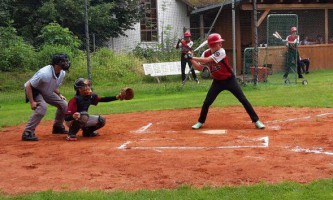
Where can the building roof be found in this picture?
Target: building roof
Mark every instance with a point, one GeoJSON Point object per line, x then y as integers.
{"type": "Point", "coordinates": [199, 6]}
{"type": "Point", "coordinates": [203, 3]}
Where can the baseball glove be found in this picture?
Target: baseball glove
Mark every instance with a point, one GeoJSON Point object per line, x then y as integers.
{"type": "Point", "coordinates": [126, 93]}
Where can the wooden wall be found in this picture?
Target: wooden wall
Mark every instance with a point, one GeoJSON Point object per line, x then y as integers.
{"type": "Point", "coordinates": [320, 56]}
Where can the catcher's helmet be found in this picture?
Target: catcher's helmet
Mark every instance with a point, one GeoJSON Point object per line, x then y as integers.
{"type": "Point", "coordinates": [187, 34]}
{"type": "Point", "coordinates": [293, 29]}
{"type": "Point", "coordinates": [61, 60]}
{"type": "Point", "coordinates": [84, 84]}
{"type": "Point", "coordinates": [214, 38]}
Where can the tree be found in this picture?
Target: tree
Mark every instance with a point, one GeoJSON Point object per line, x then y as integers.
{"type": "Point", "coordinates": [107, 18]}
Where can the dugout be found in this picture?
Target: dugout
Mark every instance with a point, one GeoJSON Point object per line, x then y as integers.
{"type": "Point", "coordinates": [314, 18]}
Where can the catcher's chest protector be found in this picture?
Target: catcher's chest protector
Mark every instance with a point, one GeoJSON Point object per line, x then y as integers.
{"type": "Point", "coordinates": [83, 102]}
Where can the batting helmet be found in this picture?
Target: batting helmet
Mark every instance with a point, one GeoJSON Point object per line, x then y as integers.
{"type": "Point", "coordinates": [61, 60]}
{"type": "Point", "coordinates": [293, 29]}
{"type": "Point", "coordinates": [82, 83]}
{"type": "Point", "coordinates": [214, 38]}
{"type": "Point", "coordinates": [187, 34]}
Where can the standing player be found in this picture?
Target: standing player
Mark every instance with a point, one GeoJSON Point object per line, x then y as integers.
{"type": "Point", "coordinates": [43, 89]}
{"type": "Point", "coordinates": [293, 58]}
{"type": "Point", "coordinates": [223, 79]}
{"type": "Point", "coordinates": [77, 116]}
{"type": "Point", "coordinates": [186, 46]}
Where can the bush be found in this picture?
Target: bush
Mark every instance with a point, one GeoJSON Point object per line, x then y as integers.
{"type": "Point", "coordinates": [15, 54]}
{"type": "Point", "coordinates": [120, 68]}
{"type": "Point", "coordinates": [44, 56]}
{"type": "Point", "coordinates": [54, 34]}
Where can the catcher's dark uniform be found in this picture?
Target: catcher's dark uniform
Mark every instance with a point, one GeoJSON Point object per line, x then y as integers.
{"type": "Point", "coordinates": [88, 123]}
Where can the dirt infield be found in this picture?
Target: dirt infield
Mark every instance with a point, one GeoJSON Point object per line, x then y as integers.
{"type": "Point", "coordinates": [154, 150]}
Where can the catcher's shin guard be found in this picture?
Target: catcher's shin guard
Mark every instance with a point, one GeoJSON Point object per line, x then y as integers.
{"type": "Point", "coordinates": [74, 127]}
{"type": "Point", "coordinates": [91, 131]}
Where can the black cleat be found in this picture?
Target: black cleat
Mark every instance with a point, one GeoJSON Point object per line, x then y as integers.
{"type": "Point", "coordinates": [59, 130]}
{"type": "Point", "coordinates": [26, 136]}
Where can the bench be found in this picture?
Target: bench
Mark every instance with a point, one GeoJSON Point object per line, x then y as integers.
{"type": "Point", "coordinates": [163, 69]}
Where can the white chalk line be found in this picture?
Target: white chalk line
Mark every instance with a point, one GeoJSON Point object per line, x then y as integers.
{"type": "Point", "coordinates": [144, 128]}
{"type": "Point", "coordinates": [299, 118]}
{"type": "Point", "coordinates": [315, 151]}
{"type": "Point", "coordinates": [265, 144]}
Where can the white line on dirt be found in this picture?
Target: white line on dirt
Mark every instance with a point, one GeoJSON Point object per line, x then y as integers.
{"type": "Point", "coordinates": [144, 128]}
{"type": "Point", "coordinates": [324, 114]}
{"type": "Point", "coordinates": [123, 146]}
{"type": "Point", "coordinates": [316, 151]}
{"type": "Point", "coordinates": [288, 120]}
{"type": "Point", "coordinates": [299, 118]}
{"type": "Point", "coordinates": [265, 144]}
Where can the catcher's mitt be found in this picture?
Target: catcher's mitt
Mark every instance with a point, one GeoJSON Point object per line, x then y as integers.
{"type": "Point", "coordinates": [126, 93]}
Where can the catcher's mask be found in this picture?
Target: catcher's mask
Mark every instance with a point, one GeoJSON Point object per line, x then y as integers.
{"type": "Point", "coordinates": [61, 60]}
{"type": "Point", "coordinates": [83, 87]}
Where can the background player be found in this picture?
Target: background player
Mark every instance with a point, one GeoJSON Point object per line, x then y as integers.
{"type": "Point", "coordinates": [293, 58]}
{"type": "Point", "coordinates": [223, 79]}
{"type": "Point", "coordinates": [77, 116]}
{"type": "Point", "coordinates": [186, 46]}
{"type": "Point", "coordinates": [43, 89]}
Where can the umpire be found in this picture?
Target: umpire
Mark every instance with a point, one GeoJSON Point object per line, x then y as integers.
{"type": "Point", "coordinates": [43, 89]}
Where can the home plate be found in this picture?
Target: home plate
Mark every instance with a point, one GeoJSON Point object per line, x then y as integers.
{"type": "Point", "coordinates": [214, 132]}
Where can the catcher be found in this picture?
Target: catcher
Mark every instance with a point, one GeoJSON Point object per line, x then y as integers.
{"type": "Point", "coordinates": [77, 116]}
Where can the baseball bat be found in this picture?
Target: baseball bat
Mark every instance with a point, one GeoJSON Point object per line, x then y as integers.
{"type": "Point", "coordinates": [277, 33]}
{"type": "Point", "coordinates": [201, 45]}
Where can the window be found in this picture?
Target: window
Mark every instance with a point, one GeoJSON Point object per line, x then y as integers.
{"type": "Point", "coordinates": [148, 24]}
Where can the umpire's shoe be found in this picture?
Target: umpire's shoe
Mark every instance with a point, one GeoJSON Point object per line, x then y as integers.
{"type": "Point", "coordinates": [59, 130]}
{"type": "Point", "coordinates": [27, 136]}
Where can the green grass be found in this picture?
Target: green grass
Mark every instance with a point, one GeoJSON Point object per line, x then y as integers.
{"type": "Point", "coordinates": [318, 190]}
{"type": "Point", "coordinates": [171, 95]}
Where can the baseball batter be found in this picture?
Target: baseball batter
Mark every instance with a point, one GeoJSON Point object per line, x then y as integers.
{"type": "Point", "coordinates": [43, 89]}
{"type": "Point", "coordinates": [186, 46]}
{"type": "Point", "coordinates": [77, 116]}
{"type": "Point", "coordinates": [223, 79]}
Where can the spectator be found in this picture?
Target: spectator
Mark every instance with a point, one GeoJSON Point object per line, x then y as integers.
{"type": "Point", "coordinates": [306, 41]}
{"type": "Point", "coordinates": [320, 39]}
{"type": "Point", "coordinates": [304, 64]}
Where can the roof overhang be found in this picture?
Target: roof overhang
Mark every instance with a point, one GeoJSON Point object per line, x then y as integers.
{"type": "Point", "coordinates": [213, 6]}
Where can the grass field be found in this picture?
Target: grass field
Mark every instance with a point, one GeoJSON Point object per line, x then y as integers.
{"type": "Point", "coordinates": [171, 95]}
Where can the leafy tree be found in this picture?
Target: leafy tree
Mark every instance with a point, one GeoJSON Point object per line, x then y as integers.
{"type": "Point", "coordinates": [54, 34]}
{"type": "Point", "coordinates": [107, 18]}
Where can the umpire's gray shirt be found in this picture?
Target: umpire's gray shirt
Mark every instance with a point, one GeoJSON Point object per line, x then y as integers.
{"type": "Point", "coordinates": [46, 81]}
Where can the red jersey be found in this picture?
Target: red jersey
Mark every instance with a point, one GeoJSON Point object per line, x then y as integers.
{"type": "Point", "coordinates": [186, 46]}
{"type": "Point", "coordinates": [220, 68]}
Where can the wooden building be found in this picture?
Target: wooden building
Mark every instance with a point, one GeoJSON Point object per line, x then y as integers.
{"type": "Point", "coordinates": [315, 18]}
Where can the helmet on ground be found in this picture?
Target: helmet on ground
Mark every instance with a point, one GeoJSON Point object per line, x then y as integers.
{"type": "Point", "coordinates": [214, 38]}
{"type": "Point", "coordinates": [61, 60]}
{"type": "Point", "coordinates": [293, 29]}
{"type": "Point", "coordinates": [187, 34]}
{"type": "Point", "coordinates": [82, 86]}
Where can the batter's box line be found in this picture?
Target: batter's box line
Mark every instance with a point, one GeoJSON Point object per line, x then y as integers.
{"type": "Point", "coordinates": [298, 118]}
{"type": "Point", "coordinates": [265, 144]}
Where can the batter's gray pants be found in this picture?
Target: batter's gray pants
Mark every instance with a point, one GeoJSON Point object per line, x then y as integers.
{"type": "Point", "coordinates": [39, 113]}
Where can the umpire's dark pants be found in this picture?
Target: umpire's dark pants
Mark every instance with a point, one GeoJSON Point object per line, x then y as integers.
{"type": "Point", "coordinates": [183, 62]}
{"type": "Point", "coordinates": [232, 86]}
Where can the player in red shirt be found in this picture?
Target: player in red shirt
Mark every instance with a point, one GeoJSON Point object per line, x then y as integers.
{"type": "Point", "coordinates": [216, 60]}
{"type": "Point", "coordinates": [186, 46]}
{"type": "Point", "coordinates": [77, 116]}
{"type": "Point", "coordinates": [293, 58]}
